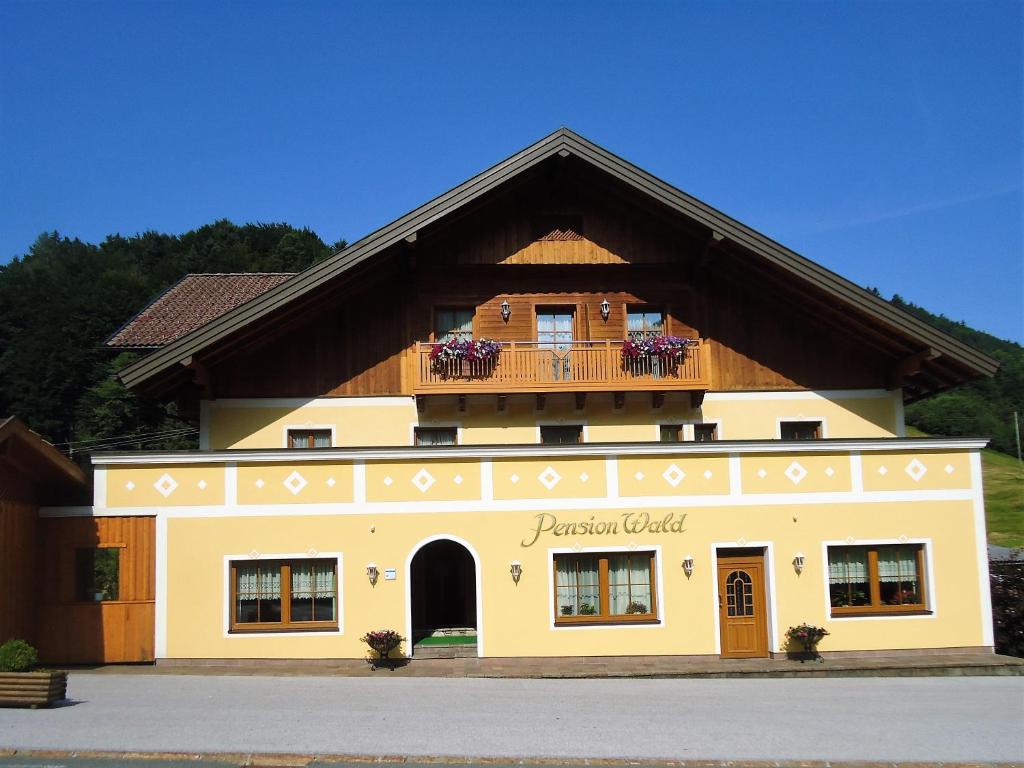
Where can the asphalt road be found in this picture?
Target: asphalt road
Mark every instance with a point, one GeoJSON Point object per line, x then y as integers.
{"type": "Point", "coordinates": [894, 719]}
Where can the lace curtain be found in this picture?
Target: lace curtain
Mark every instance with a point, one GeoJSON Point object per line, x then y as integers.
{"type": "Point", "coordinates": [311, 580]}
{"type": "Point", "coordinates": [629, 584]}
{"type": "Point", "coordinates": [847, 565]}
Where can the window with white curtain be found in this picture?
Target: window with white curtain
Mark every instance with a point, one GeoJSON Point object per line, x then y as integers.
{"type": "Point", "coordinates": [876, 579]}
{"type": "Point", "coordinates": [453, 323]}
{"type": "Point", "coordinates": [309, 438]}
{"type": "Point", "coordinates": [269, 595]}
{"type": "Point", "coordinates": [604, 587]}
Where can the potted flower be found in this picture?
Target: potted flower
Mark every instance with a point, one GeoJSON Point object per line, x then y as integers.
{"type": "Point", "coordinates": [807, 637]}
{"type": "Point", "coordinates": [636, 607]}
{"type": "Point", "coordinates": [21, 684]}
{"type": "Point", "coordinates": [382, 642]}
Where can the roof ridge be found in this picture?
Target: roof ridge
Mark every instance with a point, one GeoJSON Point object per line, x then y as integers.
{"type": "Point", "coordinates": [234, 274]}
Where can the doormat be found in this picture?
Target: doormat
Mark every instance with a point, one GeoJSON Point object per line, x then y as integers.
{"type": "Point", "coordinates": [450, 640]}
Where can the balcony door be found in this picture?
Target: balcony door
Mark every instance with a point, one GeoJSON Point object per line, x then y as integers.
{"type": "Point", "coordinates": [555, 334]}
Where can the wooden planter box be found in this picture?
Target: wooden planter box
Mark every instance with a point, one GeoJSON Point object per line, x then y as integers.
{"type": "Point", "coordinates": [32, 689]}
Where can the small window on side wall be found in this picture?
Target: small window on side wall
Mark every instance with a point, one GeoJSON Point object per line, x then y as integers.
{"type": "Point", "coordinates": [437, 435]}
{"type": "Point", "coordinates": [309, 438]}
{"type": "Point", "coordinates": [97, 574]}
{"type": "Point", "coordinates": [561, 435]}
{"type": "Point", "coordinates": [800, 430]}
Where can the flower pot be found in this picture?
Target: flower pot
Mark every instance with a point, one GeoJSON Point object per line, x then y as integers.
{"type": "Point", "coordinates": [32, 689]}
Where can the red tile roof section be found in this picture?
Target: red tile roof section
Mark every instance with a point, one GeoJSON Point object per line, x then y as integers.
{"type": "Point", "coordinates": [191, 302]}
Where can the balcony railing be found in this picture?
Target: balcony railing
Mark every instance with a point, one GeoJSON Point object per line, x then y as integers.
{"type": "Point", "coordinates": [582, 366]}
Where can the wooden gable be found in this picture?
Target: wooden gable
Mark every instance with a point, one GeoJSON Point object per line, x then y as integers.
{"type": "Point", "coordinates": [562, 222]}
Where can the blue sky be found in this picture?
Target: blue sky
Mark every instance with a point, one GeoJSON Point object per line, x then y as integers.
{"type": "Point", "coordinates": [883, 140]}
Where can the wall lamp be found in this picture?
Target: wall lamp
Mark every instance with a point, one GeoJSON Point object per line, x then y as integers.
{"type": "Point", "coordinates": [372, 573]}
{"type": "Point", "coordinates": [688, 565]}
{"type": "Point", "coordinates": [606, 309]}
{"type": "Point", "coordinates": [516, 569]}
{"type": "Point", "coordinates": [798, 563]}
{"type": "Point", "coordinates": [506, 310]}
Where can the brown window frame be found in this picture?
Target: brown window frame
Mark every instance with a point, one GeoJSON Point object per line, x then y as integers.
{"type": "Point", "coordinates": [877, 608]}
{"type": "Point", "coordinates": [542, 427]}
{"type": "Point", "coordinates": [645, 309]}
{"type": "Point", "coordinates": [818, 428]}
{"type": "Point", "coordinates": [77, 585]}
{"type": "Point", "coordinates": [602, 617]}
{"type": "Point", "coordinates": [417, 431]}
{"type": "Point", "coordinates": [713, 425]}
{"type": "Point", "coordinates": [680, 433]}
{"type": "Point", "coordinates": [310, 437]}
{"type": "Point", "coordinates": [435, 336]}
{"type": "Point", "coordinates": [286, 624]}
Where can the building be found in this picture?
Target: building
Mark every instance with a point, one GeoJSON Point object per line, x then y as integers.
{"type": "Point", "coordinates": [33, 565]}
{"type": "Point", "coordinates": [684, 439]}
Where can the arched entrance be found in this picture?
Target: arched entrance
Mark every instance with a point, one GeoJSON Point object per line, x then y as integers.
{"type": "Point", "coordinates": [443, 600]}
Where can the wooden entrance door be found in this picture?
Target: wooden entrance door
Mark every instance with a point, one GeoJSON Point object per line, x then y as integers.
{"type": "Point", "coordinates": [742, 608]}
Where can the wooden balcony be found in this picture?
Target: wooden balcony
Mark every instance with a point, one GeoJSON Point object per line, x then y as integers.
{"type": "Point", "coordinates": [583, 366]}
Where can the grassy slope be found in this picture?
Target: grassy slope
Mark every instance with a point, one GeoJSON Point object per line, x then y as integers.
{"type": "Point", "coordinates": [1004, 496]}
{"type": "Point", "coordinates": [1004, 499]}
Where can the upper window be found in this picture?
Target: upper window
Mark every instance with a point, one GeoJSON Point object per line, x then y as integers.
{"type": "Point", "coordinates": [641, 323]}
{"type": "Point", "coordinates": [437, 435]}
{"type": "Point", "coordinates": [876, 579]}
{"type": "Point", "coordinates": [604, 588]}
{"type": "Point", "coordinates": [453, 323]}
{"type": "Point", "coordinates": [671, 433]}
{"type": "Point", "coordinates": [705, 433]}
{"type": "Point", "coordinates": [269, 595]}
{"type": "Point", "coordinates": [309, 438]}
{"type": "Point", "coordinates": [97, 574]}
{"type": "Point", "coordinates": [800, 430]}
{"type": "Point", "coordinates": [561, 435]}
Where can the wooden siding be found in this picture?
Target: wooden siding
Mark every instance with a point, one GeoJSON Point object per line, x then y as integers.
{"type": "Point", "coordinates": [72, 632]}
{"type": "Point", "coordinates": [17, 569]}
{"type": "Point", "coordinates": [508, 233]}
{"type": "Point", "coordinates": [762, 334]}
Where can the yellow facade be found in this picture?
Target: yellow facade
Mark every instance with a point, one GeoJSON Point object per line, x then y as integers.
{"type": "Point", "coordinates": [390, 421]}
{"type": "Point", "coordinates": [509, 503]}
{"type": "Point", "coordinates": [516, 619]}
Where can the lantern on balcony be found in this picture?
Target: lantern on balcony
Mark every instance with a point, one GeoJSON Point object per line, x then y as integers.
{"type": "Point", "coordinates": [506, 310]}
{"type": "Point", "coordinates": [606, 309]}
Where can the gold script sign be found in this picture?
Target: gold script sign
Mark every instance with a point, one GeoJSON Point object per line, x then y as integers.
{"type": "Point", "coordinates": [630, 522]}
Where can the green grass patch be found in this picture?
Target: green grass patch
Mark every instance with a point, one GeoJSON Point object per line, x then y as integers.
{"type": "Point", "coordinates": [452, 640]}
{"type": "Point", "coordinates": [1004, 498]}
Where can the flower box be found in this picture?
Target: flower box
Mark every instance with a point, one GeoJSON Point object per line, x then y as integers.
{"type": "Point", "coordinates": [32, 689]}
{"type": "Point", "coordinates": [672, 349]}
{"type": "Point", "coordinates": [443, 356]}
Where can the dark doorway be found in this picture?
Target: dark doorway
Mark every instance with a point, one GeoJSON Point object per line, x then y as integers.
{"type": "Point", "coordinates": [443, 582]}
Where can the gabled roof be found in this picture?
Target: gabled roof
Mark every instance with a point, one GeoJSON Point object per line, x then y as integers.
{"type": "Point", "coordinates": [192, 302]}
{"type": "Point", "coordinates": [64, 471]}
{"type": "Point", "coordinates": [563, 142]}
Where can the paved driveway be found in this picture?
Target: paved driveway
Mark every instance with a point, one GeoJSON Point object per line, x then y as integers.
{"type": "Point", "coordinates": [925, 719]}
